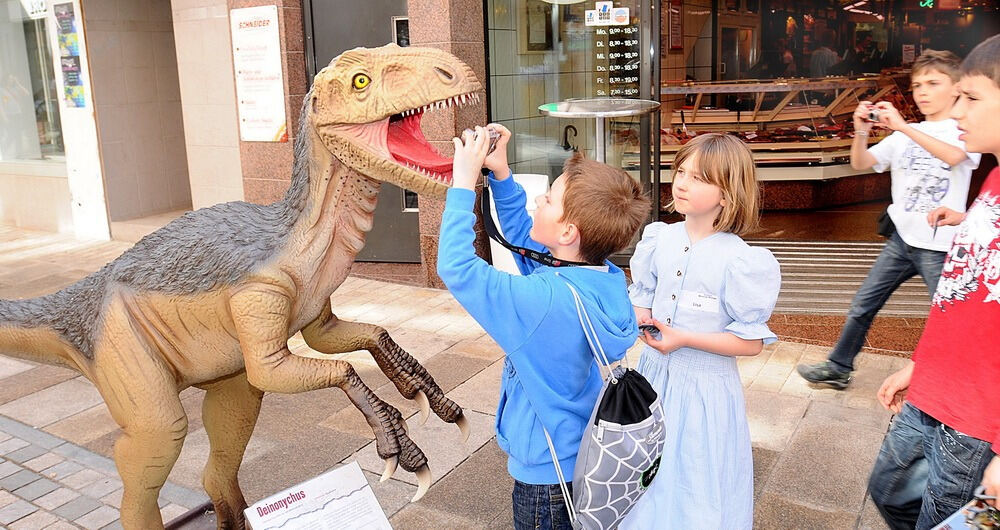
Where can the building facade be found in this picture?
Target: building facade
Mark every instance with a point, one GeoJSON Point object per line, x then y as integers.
{"type": "Point", "coordinates": [118, 116]}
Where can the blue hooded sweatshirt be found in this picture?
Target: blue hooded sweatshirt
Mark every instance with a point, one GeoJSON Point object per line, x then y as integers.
{"type": "Point", "coordinates": [550, 375]}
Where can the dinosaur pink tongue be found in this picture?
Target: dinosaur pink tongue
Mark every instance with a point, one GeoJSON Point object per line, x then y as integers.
{"type": "Point", "coordinates": [408, 146]}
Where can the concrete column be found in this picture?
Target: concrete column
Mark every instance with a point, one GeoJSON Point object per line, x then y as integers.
{"type": "Point", "coordinates": [455, 26]}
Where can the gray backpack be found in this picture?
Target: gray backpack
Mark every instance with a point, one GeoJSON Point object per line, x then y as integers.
{"type": "Point", "coordinates": [621, 447]}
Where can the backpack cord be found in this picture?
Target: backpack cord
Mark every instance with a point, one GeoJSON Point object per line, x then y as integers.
{"type": "Point", "coordinates": [602, 358]}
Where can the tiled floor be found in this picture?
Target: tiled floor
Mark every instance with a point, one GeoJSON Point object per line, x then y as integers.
{"type": "Point", "coordinates": [813, 448]}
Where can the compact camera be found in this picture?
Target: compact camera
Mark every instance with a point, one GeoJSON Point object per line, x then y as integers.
{"type": "Point", "coordinates": [494, 137]}
{"type": "Point", "coordinates": [873, 115]}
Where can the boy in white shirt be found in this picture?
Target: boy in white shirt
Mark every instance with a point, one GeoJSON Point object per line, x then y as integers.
{"type": "Point", "coordinates": [930, 168]}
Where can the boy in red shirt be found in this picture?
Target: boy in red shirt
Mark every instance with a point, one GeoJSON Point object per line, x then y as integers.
{"type": "Point", "coordinates": [945, 438]}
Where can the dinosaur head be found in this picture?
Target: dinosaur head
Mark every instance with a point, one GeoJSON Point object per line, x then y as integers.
{"type": "Point", "coordinates": [366, 107]}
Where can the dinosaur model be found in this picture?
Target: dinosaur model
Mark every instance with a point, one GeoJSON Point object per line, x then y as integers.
{"type": "Point", "coordinates": [211, 299]}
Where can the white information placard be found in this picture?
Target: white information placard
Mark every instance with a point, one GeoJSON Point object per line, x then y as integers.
{"type": "Point", "coordinates": [340, 499]}
{"type": "Point", "coordinates": [260, 91]}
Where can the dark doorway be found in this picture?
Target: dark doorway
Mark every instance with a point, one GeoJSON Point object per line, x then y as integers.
{"type": "Point", "coordinates": [333, 27]}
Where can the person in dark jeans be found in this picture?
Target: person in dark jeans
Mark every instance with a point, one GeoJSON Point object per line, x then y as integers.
{"type": "Point", "coordinates": [930, 169]}
{"type": "Point", "coordinates": [900, 478]}
{"type": "Point", "coordinates": [945, 440]}
{"type": "Point", "coordinates": [542, 503]}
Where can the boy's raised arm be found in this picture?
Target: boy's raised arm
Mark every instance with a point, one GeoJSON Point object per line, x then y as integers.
{"type": "Point", "coordinates": [507, 307]}
{"type": "Point", "coordinates": [950, 154]}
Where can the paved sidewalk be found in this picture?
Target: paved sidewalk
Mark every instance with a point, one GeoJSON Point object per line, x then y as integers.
{"type": "Point", "coordinates": [812, 448]}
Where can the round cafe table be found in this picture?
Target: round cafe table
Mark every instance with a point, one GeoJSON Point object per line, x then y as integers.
{"type": "Point", "coordinates": [600, 109]}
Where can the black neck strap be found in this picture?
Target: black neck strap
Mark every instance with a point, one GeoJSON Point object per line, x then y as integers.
{"type": "Point", "coordinates": [491, 230]}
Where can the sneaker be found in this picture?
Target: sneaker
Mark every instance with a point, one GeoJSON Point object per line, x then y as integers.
{"type": "Point", "coordinates": [825, 373]}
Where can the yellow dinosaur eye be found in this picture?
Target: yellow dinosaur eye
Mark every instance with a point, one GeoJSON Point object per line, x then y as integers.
{"type": "Point", "coordinates": [361, 81]}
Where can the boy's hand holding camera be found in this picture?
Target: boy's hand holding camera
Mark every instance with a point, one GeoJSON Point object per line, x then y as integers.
{"type": "Point", "coordinates": [497, 159]}
{"type": "Point", "coordinates": [861, 122]}
{"type": "Point", "coordinates": [474, 150]}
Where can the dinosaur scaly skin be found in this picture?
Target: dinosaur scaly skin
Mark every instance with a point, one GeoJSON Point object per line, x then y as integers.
{"type": "Point", "coordinates": [211, 299]}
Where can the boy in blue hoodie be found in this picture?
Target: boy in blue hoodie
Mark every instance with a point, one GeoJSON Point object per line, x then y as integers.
{"type": "Point", "coordinates": [550, 375]}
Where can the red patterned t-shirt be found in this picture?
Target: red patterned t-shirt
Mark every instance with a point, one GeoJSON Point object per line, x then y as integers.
{"type": "Point", "coordinates": [956, 379]}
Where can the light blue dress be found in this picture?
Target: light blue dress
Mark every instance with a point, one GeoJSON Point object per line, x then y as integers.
{"type": "Point", "coordinates": [717, 284]}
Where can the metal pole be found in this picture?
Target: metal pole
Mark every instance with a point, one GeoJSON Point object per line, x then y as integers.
{"type": "Point", "coordinates": [601, 145]}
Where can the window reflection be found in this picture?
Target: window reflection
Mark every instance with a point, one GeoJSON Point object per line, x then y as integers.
{"type": "Point", "coordinates": [29, 108]}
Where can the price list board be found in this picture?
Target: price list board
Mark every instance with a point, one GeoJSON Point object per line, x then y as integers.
{"type": "Point", "coordinates": [616, 61]}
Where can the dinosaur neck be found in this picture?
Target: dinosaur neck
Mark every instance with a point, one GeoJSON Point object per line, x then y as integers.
{"type": "Point", "coordinates": [335, 205]}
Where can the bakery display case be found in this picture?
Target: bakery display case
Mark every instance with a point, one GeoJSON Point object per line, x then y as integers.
{"type": "Point", "coordinates": [798, 129]}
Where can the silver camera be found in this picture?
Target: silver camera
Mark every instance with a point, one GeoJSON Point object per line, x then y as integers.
{"type": "Point", "coordinates": [873, 115]}
{"type": "Point", "coordinates": [494, 137]}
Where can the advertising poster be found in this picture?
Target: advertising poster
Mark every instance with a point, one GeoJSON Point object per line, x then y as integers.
{"type": "Point", "coordinates": [260, 91]}
{"type": "Point", "coordinates": [69, 54]}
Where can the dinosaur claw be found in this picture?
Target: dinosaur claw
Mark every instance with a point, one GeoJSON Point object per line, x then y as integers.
{"type": "Point", "coordinates": [390, 468]}
{"type": "Point", "coordinates": [423, 482]}
{"type": "Point", "coordinates": [425, 406]}
{"type": "Point", "coordinates": [463, 425]}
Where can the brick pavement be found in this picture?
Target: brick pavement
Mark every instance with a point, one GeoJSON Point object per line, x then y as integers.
{"type": "Point", "coordinates": [812, 448]}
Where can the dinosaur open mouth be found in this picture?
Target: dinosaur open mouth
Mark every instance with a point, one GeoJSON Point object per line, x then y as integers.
{"type": "Point", "coordinates": [408, 146]}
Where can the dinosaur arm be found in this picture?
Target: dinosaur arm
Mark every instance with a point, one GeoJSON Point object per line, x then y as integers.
{"type": "Point", "coordinates": [261, 313]}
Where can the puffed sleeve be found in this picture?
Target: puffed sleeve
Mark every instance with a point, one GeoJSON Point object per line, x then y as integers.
{"type": "Point", "coordinates": [753, 279]}
{"type": "Point", "coordinates": [643, 267]}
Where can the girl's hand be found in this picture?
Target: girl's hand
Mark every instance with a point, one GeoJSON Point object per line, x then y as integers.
{"type": "Point", "coordinates": [889, 117]}
{"type": "Point", "coordinates": [945, 217]}
{"type": "Point", "coordinates": [643, 315]}
{"type": "Point", "coordinates": [991, 481]}
{"type": "Point", "coordinates": [670, 339]}
{"type": "Point", "coordinates": [470, 152]}
{"type": "Point", "coordinates": [893, 391]}
{"type": "Point", "coordinates": [861, 122]}
{"type": "Point", "coordinates": [497, 160]}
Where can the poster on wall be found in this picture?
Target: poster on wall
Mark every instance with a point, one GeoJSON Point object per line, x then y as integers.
{"type": "Point", "coordinates": [260, 91]}
{"type": "Point", "coordinates": [676, 21]}
{"type": "Point", "coordinates": [69, 55]}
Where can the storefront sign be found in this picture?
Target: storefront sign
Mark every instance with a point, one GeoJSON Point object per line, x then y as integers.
{"type": "Point", "coordinates": [260, 90]}
{"type": "Point", "coordinates": [676, 25]}
{"type": "Point", "coordinates": [337, 500]}
{"type": "Point", "coordinates": [606, 14]}
{"type": "Point", "coordinates": [616, 61]}
{"type": "Point", "coordinates": [35, 9]}
{"type": "Point", "coordinates": [69, 55]}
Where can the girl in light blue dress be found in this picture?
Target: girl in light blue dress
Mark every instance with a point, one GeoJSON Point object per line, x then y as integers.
{"type": "Point", "coordinates": [710, 295]}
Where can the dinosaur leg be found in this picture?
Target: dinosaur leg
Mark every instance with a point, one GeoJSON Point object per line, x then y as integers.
{"type": "Point", "coordinates": [261, 314]}
{"type": "Point", "coordinates": [328, 334]}
{"type": "Point", "coordinates": [230, 412]}
{"type": "Point", "coordinates": [142, 398]}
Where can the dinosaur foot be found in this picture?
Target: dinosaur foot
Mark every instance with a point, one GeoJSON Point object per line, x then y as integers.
{"type": "Point", "coordinates": [413, 381]}
{"type": "Point", "coordinates": [395, 447]}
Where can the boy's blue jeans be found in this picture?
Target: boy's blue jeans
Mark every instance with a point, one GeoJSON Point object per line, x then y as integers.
{"type": "Point", "coordinates": [925, 471]}
{"type": "Point", "coordinates": [540, 506]}
{"type": "Point", "coordinates": [896, 263]}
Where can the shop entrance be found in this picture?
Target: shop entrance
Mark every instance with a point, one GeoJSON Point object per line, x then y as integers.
{"type": "Point", "coordinates": [546, 52]}
{"type": "Point", "coordinates": [331, 29]}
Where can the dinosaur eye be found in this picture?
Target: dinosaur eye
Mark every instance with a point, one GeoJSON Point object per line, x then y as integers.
{"type": "Point", "coordinates": [361, 81]}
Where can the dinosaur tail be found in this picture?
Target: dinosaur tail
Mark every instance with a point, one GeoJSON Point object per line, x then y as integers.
{"type": "Point", "coordinates": [27, 332]}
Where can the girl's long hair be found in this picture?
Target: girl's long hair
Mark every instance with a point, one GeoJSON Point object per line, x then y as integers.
{"type": "Point", "coordinates": [725, 161]}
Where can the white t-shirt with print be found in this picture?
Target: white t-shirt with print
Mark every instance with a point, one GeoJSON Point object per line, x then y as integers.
{"type": "Point", "coordinates": [921, 182]}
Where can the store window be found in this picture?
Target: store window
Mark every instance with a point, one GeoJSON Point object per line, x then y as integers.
{"type": "Point", "coordinates": [549, 51]}
{"type": "Point", "coordinates": [29, 108]}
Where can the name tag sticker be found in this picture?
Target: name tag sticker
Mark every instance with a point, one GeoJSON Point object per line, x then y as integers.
{"type": "Point", "coordinates": [699, 302]}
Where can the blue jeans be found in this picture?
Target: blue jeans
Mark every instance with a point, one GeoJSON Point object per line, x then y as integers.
{"type": "Point", "coordinates": [896, 263]}
{"type": "Point", "coordinates": [925, 471]}
{"type": "Point", "coordinates": [540, 507]}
